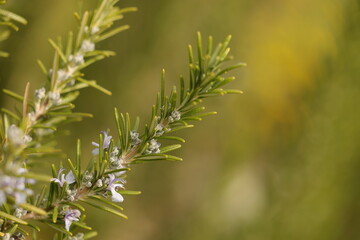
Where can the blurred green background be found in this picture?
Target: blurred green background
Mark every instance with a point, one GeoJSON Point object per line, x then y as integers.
{"type": "Point", "coordinates": [281, 161]}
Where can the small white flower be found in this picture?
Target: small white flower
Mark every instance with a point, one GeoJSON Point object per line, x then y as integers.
{"type": "Point", "coordinates": [55, 97]}
{"type": "Point", "coordinates": [61, 178]}
{"type": "Point", "coordinates": [105, 180]}
{"type": "Point", "coordinates": [159, 130]}
{"type": "Point", "coordinates": [99, 183]}
{"type": "Point", "coordinates": [71, 194]}
{"type": "Point", "coordinates": [78, 236]}
{"type": "Point", "coordinates": [135, 137]}
{"type": "Point", "coordinates": [62, 75]}
{"type": "Point", "coordinates": [154, 146]}
{"type": "Point", "coordinates": [32, 117]}
{"type": "Point", "coordinates": [78, 59]}
{"type": "Point", "coordinates": [87, 46]}
{"type": "Point", "coordinates": [40, 93]}
{"type": "Point", "coordinates": [115, 152]}
{"type": "Point", "coordinates": [27, 138]}
{"type": "Point", "coordinates": [115, 163]}
{"type": "Point", "coordinates": [87, 179]}
{"type": "Point", "coordinates": [17, 136]}
{"type": "Point", "coordinates": [175, 115]}
{"type": "Point", "coordinates": [88, 176]}
{"type": "Point", "coordinates": [19, 212]}
{"type": "Point", "coordinates": [94, 30]}
{"type": "Point", "coordinates": [6, 236]}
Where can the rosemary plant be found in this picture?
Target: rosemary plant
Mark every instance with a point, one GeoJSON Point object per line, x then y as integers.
{"type": "Point", "coordinates": [26, 134]}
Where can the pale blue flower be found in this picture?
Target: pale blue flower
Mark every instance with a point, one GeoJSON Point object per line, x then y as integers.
{"type": "Point", "coordinates": [106, 143]}
{"type": "Point", "coordinates": [114, 183]}
{"type": "Point", "coordinates": [20, 197]}
{"type": "Point", "coordinates": [71, 215]}
{"type": "Point", "coordinates": [61, 178]}
{"type": "Point", "coordinates": [2, 197]}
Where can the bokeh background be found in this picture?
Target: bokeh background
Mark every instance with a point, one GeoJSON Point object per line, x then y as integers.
{"type": "Point", "coordinates": [281, 161]}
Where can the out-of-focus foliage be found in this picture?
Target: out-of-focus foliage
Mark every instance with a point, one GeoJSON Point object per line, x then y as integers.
{"type": "Point", "coordinates": [8, 21]}
{"type": "Point", "coordinates": [292, 166]}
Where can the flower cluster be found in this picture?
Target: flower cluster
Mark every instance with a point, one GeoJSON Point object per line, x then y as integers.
{"type": "Point", "coordinates": [14, 185]}
{"type": "Point", "coordinates": [15, 236]}
{"type": "Point", "coordinates": [116, 161]}
{"type": "Point", "coordinates": [107, 185]}
{"type": "Point", "coordinates": [135, 138]}
{"type": "Point", "coordinates": [74, 62]}
{"type": "Point", "coordinates": [17, 137]}
{"type": "Point", "coordinates": [19, 212]}
{"type": "Point", "coordinates": [87, 179]}
{"type": "Point", "coordinates": [175, 116]}
{"type": "Point", "coordinates": [46, 99]}
{"type": "Point", "coordinates": [78, 236]}
{"type": "Point", "coordinates": [154, 146]}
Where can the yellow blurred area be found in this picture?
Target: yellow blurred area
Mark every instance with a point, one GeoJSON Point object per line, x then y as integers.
{"type": "Point", "coordinates": [288, 40]}
{"type": "Point", "coordinates": [281, 161]}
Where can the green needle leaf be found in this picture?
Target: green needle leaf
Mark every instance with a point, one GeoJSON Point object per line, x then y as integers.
{"type": "Point", "coordinates": [55, 214]}
{"type": "Point", "coordinates": [33, 208]}
{"type": "Point", "coordinates": [12, 218]}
